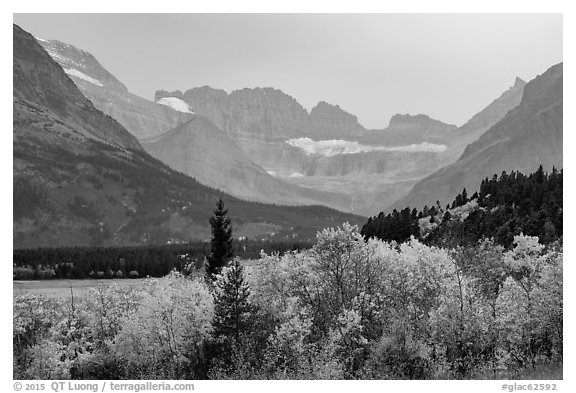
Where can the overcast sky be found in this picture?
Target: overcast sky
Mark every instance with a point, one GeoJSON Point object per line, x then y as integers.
{"type": "Point", "coordinates": [448, 66]}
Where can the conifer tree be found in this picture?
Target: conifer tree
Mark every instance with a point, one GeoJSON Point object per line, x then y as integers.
{"type": "Point", "coordinates": [232, 309]}
{"type": "Point", "coordinates": [221, 249]}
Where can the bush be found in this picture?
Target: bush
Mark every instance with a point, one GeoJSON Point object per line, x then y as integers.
{"type": "Point", "coordinates": [22, 273]}
{"type": "Point", "coordinates": [164, 338]}
{"type": "Point", "coordinates": [399, 356]}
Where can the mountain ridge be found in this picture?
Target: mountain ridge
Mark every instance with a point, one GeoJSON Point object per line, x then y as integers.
{"type": "Point", "coordinates": [528, 136]}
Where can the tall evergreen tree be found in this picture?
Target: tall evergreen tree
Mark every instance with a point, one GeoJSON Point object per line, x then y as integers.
{"type": "Point", "coordinates": [232, 308]}
{"type": "Point", "coordinates": [221, 247]}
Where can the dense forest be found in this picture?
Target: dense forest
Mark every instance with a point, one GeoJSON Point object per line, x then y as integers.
{"type": "Point", "coordinates": [130, 262]}
{"type": "Point", "coordinates": [505, 206]}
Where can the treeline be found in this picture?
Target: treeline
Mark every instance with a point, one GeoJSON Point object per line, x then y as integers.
{"type": "Point", "coordinates": [130, 262]}
{"type": "Point", "coordinates": [505, 206]}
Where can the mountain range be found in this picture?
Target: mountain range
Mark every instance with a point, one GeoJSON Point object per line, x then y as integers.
{"type": "Point", "coordinates": [261, 144]}
{"type": "Point", "coordinates": [81, 178]}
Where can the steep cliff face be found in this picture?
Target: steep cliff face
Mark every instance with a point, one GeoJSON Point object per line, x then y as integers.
{"type": "Point", "coordinates": [412, 129]}
{"type": "Point", "coordinates": [268, 114]}
{"type": "Point", "coordinates": [261, 113]}
{"type": "Point", "coordinates": [385, 163]}
{"type": "Point", "coordinates": [328, 121]}
{"type": "Point", "coordinates": [208, 102]}
{"type": "Point", "coordinates": [141, 117]}
{"type": "Point", "coordinates": [528, 136]}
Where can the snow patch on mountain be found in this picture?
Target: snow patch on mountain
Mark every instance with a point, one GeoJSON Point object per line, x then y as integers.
{"type": "Point", "coordinates": [83, 76]}
{"type": "Point", "coordinates": [59, 58]}
{"type": "Point", "coordinates": [176, 104]}
{"type": "Point", "coordinates": [334, 147]}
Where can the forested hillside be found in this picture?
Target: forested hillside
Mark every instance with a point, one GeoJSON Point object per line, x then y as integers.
{"type": "Point", "coordinates": [505, 206]}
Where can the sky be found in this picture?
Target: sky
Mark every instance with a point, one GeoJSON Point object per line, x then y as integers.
{"type": "Point", "coordinates": [448, 66]}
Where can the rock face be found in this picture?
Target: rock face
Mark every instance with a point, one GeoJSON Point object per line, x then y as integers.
{"type": "Point", "coordinates": [407, 130]}
{"type": "Point", "coordinates": [81, 179]}
{"type": "Point", "coordinates": [328, 121]}
{"type": "Point", "coordinates": [528, 136]}
{"type": "Point", "coordinates": [80, 64]}
{"type": "Point", "coordinates": [268, 114]}
{"type": "Point", "coordinates": [141, 117]}
{"type": "Point", "coordinates": [386, 164]}
{"type": "Point", "coordinates": [265, 114]}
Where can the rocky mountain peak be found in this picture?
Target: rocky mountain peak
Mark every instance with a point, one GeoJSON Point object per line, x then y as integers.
{"type": "Point", "coordinates": [545, 88]}
{"type": "Point", "coordinates": [205, 91]}
{"type": "Point", "coordinates": [38, 79]}
{"type": "Point", "coordinates": [420, 121]}
{"type": "Point", "coordinates": [159, 94]}
{"type": "Point", "coordinates": [267, 97]}
{"type": "Point", "coordinates": [519, 82]}
{"type": "Point", "coordinates": [408, 119]}
{"type": "Point", "coordinates": [324, 111]}
{"type": "Point", "coordinates": [80, 65]}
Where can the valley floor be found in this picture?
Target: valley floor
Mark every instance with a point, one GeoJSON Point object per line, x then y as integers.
{"type": "Point", "coordinates": [64, 288]}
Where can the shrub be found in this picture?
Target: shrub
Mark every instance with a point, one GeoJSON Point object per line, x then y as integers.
{"type": "Point", "coordinates": [22, 273]}
{"type": "Point", "coordinates": [165, 337]}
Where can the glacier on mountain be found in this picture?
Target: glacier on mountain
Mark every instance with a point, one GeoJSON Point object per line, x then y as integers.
{"type": "Point", "coordinates": [176, 104]}
{"type": "Point", "coordinates": [332, 147]}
